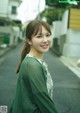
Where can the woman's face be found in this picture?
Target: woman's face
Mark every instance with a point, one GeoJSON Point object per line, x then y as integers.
{"type": "Point", "coordinates": [40, 43]}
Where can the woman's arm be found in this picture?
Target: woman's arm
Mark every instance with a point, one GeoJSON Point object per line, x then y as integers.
{"type": "Point", "coordinates": [39, 88]}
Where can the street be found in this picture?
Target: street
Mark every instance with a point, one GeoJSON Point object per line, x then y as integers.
{"type": "Point", "coordinates": [66, 93]}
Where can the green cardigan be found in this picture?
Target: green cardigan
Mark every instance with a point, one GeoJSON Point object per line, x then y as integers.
{"type": "Point", "coordinates": [31, 92]}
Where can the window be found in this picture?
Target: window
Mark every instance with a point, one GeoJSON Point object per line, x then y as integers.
{"type": "Point", "coordinates": [14, 10]}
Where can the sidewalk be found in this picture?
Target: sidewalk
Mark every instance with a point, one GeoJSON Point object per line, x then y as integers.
{"type": "Point", "coordinates": [72, 63]}
{"type": "Point", "coordinates": [4, 50]}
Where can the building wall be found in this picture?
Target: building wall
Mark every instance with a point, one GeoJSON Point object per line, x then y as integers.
{"type": "Point", "coordinates": [11, 15]}
{"type": "Point", "coordinates": [68, 39]}
{"type": "Point", "coordinates": [72, 45]}
{"type": "Point", "coordinates": [59, 31]}
{"type": "Point", "coordinates": [6, 11]}
{"type": "Point", "coordinates": [4, 8]}
{"type": "Point", "coordinates": [13, 33]}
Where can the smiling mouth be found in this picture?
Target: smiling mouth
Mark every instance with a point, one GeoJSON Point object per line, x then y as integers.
{"type": "Point", "coordinates": [45, 46]}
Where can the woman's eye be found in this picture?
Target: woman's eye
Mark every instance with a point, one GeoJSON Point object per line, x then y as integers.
{"type": "Point", "coordinates": [47, 35]}
{"type": "Point", "coordinates": [39, 36]}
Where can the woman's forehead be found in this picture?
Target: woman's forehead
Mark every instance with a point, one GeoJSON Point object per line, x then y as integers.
{"type": "Point", "coordinates": [38, 30]}
{"type": "Point", "coordinates": [42, 30]}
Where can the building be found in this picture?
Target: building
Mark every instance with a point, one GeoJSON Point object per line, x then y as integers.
{"type": "Point", "coordinates": [9, 31]}
{"type": "Point", "coordinates": [66, 34]}
{"type": "Point", "coordinates": [8, 8]}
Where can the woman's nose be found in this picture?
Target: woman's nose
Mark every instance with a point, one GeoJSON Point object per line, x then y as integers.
{"type": "Point", "coordinates": [44, 39]}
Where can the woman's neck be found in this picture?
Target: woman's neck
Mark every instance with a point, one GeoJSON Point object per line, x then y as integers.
{"type": "Point", "coordinates": [36, 54]}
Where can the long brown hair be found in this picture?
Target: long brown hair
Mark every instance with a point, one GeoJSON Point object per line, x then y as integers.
{"type": "Point", "coordinates": [31, 30]}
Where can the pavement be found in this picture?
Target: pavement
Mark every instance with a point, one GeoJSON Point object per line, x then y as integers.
{"type": "Point", "coordinates": [73, 63]}
{"type": "Point", "coordinates": [4, 50]}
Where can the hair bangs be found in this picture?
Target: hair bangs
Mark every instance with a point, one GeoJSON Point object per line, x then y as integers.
{"type": "Point", "coordinates": [37, 29]}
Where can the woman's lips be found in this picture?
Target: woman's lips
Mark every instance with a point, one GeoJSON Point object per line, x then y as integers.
{"type": "Point", "coordinates": [45, 46]}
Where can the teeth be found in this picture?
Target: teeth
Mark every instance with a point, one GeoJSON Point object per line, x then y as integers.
{"type": "Point", "coordinates": [45, 46]}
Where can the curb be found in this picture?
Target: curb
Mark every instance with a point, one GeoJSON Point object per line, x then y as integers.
{"type": "Point", "coordinates": [5, 50]}
{"type": "Point", "coordinates": [71, 65]}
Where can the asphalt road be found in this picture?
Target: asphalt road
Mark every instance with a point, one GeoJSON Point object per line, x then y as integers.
{"type": "Point", "coordinates": [66, 93]}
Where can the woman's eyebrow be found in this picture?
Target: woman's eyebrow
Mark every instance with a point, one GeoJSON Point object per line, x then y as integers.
{"type": "Point", "coordinates": [39, 34]}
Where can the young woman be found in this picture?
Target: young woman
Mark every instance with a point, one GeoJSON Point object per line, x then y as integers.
{"type": "Point", "coordinates": [35, 86]}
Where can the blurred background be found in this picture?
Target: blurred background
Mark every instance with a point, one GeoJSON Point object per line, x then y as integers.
{"type": "Point", "coordinates": [62, 15]}
{"type": "Point", "coordinates": [63, 58]}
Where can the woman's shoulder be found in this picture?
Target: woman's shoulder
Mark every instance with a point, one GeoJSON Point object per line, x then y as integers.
{"type": "Point", "coordinates": [31, 61]}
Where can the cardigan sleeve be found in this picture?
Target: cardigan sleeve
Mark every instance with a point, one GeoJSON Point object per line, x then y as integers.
{"type": "Point", "coordinates": [39, 89]}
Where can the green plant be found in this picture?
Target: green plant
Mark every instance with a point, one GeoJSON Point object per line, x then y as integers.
{"type": "Point", "coordinates": [53, 14]}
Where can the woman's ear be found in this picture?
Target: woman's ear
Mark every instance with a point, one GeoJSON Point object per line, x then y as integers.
{"type": "Point", "coordinates": [29, 42]}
